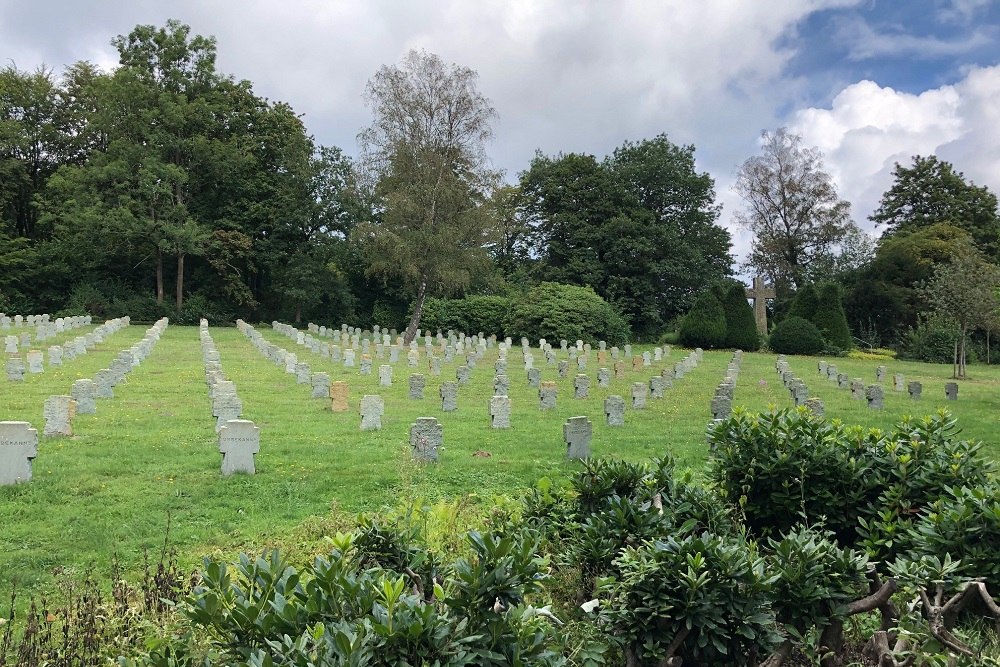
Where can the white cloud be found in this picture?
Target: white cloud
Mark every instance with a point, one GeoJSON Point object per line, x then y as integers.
{"type": "Point", "coordinates": [869, 128]}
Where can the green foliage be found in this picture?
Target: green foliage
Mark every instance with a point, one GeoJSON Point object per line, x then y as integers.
{"type": "Point", "coordinates": [741, 327]}
{"type": "Point", "coordinates": [813, 577]}
{"type": "Point", "coordinates": [555, 311]}
{"type": "Point", "coordinates": [705, 324]}
{"type": "Point", "coordinates": [473, 313]}
{"type": "Point", "coordinates": [830, 318]}
{"type": "Point", "coordinates": [932, 340]}
{"type": "Point", "coordinates": [703, 598]}
{"type": "Point", "coordinates": [795, 335]}
{"type": "Point", "coordinates": [806, 303]}
{"type": "Point", "coordinates": [932, 192]}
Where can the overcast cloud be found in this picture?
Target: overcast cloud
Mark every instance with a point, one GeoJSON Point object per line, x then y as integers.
{"type": "Point", "coordinates": [867, 83]}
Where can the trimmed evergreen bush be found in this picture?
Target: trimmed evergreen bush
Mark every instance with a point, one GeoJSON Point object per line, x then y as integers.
{"type": "Point", "coordinates": [830, 318]}
{"type": "Point", "coordinates": [796, 335]}
{"type": "Point", "coordinates": [471, 314]}
{"type": "Point", "coordinates": [705, 323]}
{"type": "Point", "coordinates": [805, 303]}
{"type": "Point", "coordinates": [741, 327]}
{"type": "Point", "coordinates": [555, 311]}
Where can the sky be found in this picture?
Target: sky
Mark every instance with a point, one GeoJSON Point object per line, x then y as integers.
{"type": "Point", "coordinates": [868, 82]}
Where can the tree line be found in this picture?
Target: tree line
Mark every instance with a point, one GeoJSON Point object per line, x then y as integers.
{"type": "Point", "coordinates": [165, 187]}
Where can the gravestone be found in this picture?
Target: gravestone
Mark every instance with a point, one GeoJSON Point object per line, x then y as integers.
{"type": "Point", "coordinates": [412, 358]}
{"type": "Point", "coordinates": [581, 386]}
{"type": "Point", "coordinates": [547, 393]}
{"type": "Point", "coordinates": [614, 410]}
{"type": "Point", "coordinates": [55, 355]}
{"type": "Point", "coordinates": [449, 396]}
{"type": "Point", "coordinates": [647, 359]}
{"type": "Point", "coordinates": [657, 354]}
{"type": "Point", "coordinates": [84, 392]}
{"type": "Point", "coordinates": [426, 438]}
{"type": "Point", "coordinates": [290, 361]}
{"type": "Point", "coordinates": [581, 362]}
{"type": "Point", "coordinates": [899, 384]}
{"type": "Point", "coordinates": [435, 366]}
{"type": "Point", "coordinates": [874, 394]}
{"type": "Point", "coordinates": [239, 441]}
{"type": "Point", "coordinates": [349, 358]}
{"type": "Point", "coordinates": [366, 365]}
{"type": "Point", "coordinates": [302, 373]}
{"type": "Point", "coordinates": [603, 377]}
{"type": "Point", "coordinates": [59, 412]}
{"type": "Point", "coordinates": [563, 369]}
{"type": "Point", "coordinates": [636, 363]}
{"type": "Point", "coordinates": [815, 406]}
{"type": "Point", "coordinates": [656, 387]}
{"type": "Point", "coordinates": [821, 367]}
{"type": "Point", "coordinates": [385, 376]}
{"type": "Point", "coordinates": [639, 393]}
{"type": "Point", "coordinates": [417, 383]}
{"type": "Point", "coordinates": [880, 373]}
{"type": "Point", "coordinates": [320, 385]}
{"type": "Point", "coordinates": [534, 377]}
{"type": "Point", "coordinates": [602, 357]}
{"type": "Point", "coordinates": [501, 385]}
{"type": "Point", "coordinates": [721, 406]}
{"type": "Point", "coordinates": [500, 366]}
{"type": "Point", "coordinates": [18, 447]}
{"type": "Point", "coordinates": [104, 381]}
{"type": "Point", "coordinates": [857, 389]}
{"type": "Point", "coordinates": [628, 351]}
{"type": "Point", "coordinates": [338, 396]}
{"type": "Point", "coordinates": [915, 389]}
{"type": "Point", "coordinates": [619, 370]}
{"type": "Point", "coordinates": [10, 345]}
{"type": "Point", "coordinates": [15, 369]}
{"type": "Point", "coordinates": [951, 391]}
{"type": "Point", "coordinates": [36, 361]}
{"type": "Point", "coordinates": [843, 382]}
{"type": "Point", "coordinates": [500, 412]}
{"type": "Point", "coordinates": [226, 407]}
{"type": "Point", "coordinates": [615, 352]}
{"type": "Point", "coordinates": [462, 375]}
{"type": "Point", "coordinates": [577, 433]}
{"type": "Point", "coordinates": [371, 409]}
{"type": "Point", "coordinates": [394, 354]}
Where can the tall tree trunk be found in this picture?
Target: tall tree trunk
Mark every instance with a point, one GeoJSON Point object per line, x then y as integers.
{"type": "Point", "coordinates": [159, 276]}
{"type": "Point", "coordinates": [180, 281]}
{"type": "Point", "coordinates": [954, 362]}
{"type": "Point", "coordinates": [298, 312]}
{"type": "Point", "coordinates": [987, 347]}
{"type": "Point", "coordinates": [418, 307]}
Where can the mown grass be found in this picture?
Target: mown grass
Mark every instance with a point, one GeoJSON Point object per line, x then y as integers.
{"type": "Point", "coordinates": [152, 450]}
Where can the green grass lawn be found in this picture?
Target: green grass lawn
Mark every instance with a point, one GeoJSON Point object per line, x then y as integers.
{"type": "Point", "coordinates": [152, 450]}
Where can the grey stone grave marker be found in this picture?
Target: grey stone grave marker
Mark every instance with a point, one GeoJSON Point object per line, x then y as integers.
{"type": "Point", "coordinates": [581, 386]}
{"type": "Point", "coordinates": [449, 396]}
{"type": "Point", "coordinates": [874, 394]}
{"type": "Point", "coordinates": [915, 389]}
{"type": "Point", "coordinates": [614, 410]}
{"type": "Point", "coordinates": [372, 408]}
{"type": "Point", "coordinates": [59, 412]}
{"type": "Point", "coordinates": [577, 433]}
{"type": "Point", "coordinates": [500, 412]}
{"type": "Point", "coordinates": [417, 384]}
{"type": "Point", "coordinates": [547, 393]}
{"type": "Point", "coordinates": [84, 392]}
{"type": "Point", "coordinates": [640, 391]}
{"type": "Point", "coordinates": [385, 376]}
{"type": "Point", "coordinates": [239, 441]}
{"type": "Point", "coordinates": [426, 438]}
{"type": "Point", "coordinates": [320, 385]}
{"type": "Point", "coordinates": [18, 447]}
{"type": "Point", "coordinates": [951, 391]}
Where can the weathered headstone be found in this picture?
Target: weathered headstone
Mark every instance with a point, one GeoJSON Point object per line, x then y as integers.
{"type": "Point", "coordinates": [636, 363]}
{"type": "Point", "coordinates": [534, 377]}
{"type": "Point", "coordinates": [59, 412]}
{"type": "Point", "coordinates": [338, 396]}
{"type": "Point", "coordinates": [647, 359]}
{"type": "Point", "coordinates": [435, 366]}
{"type": "Point", "coordinates": [239, 441]}
{"type": "Point", "coordinates": [426, 438]}
{"type": "Point", "coordinates": [385, 376]}
{"type": "Point", "coordinates": [462, 375]}
{"type": "Point", "coordinates": [320, 385]}
{"type": "Point", "coordinates": [874, 394]}
{"type": "Point", "coordinates": [302, 373]}
{"type": "Point", "coordinates": [15, 369]}
{"type": "Point", "coordinates": [501, 385]}
{"type": "Point", "coordinates": [915, 389]}
{"type": "Point", "coordinates": [614, 410]}
{"type": "Point", "coordinates": [577, 433]}
{"type": "Point", "coordinates": [36, 361]}
{"type": "Point", "coordinates": [639, 393]}
{"type": "Point", "coordinates": [417, 384]}
{"type": "Point", "coordinates": [857, 389]}
{"type": "Point", "coordinates": [619, 370]}
{"type": "Point", "coordinates": [84, 392]}
{"type": "Point", "coordinates": [899, 383]}
{"type": "Point", "coordinates": [500, 412]}
{"type": "Point", "coordinates": [372, 408]}
{"type": "Point", "coordinates": [603, 377]}
{"type": "Point", "coordinates": [104, 380]}
{"type": "Point", "coordinates": [366, 365]}
{"type": "Point", "coordinates": [951, 391]}
{"type": "Point", "coordinates": [55, 355]}
{"type": "Point", "coordinates": [449, 396]}
{"type": "Point", "coordinates": [815, 406]}
{"type": "Point", "coordinates": [843, 381]}
{"type": "Point", "coordinates": [547, 393]}
{"type": "Point", "coordinates": [880, 373]}
{"type": "Point", "coordinates": [656, 387]}
{"type": "Point", "coordinates": [563, 368]}
{"type": "Point", "coordinates": [10, 345]}
{"type": "Point", "coordinates": [721, 406]}
{"type": "Point", "coordinates": [581, 386]}
{"type": "Point", "coordinates": [18, 446]}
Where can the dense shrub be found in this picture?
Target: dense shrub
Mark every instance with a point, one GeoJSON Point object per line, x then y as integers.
{"type": "Point", "coordinates": [471, 314]}
{"type": "Point", "coordinates": [705, 323]}
{"type": "Point", "coordinates": [830, 318]}
{"type": "Point", "coordinates": [795, 335]}
{"type": "Point", "coordinates": [555, 311]}
{"type": "Point", "coordinates": [741, 327]}
{"type": "Point", "coordinates": [199, 305]}
{"type": "Point", "coordinates": [805, 303]}
{"type": "Point", "coordinates": [932, 340]}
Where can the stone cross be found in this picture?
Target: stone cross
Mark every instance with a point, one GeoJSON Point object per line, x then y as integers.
{"type": "Point", "coordinates": [18, 446]}
{"type": "Point", "coordinates": [320, 385]}
{"type": "Point", "coordinates": [640, 390]}
{"type": "Point", "coordinates": [84, 392]}
{"type": "Point", "coordinates": [914, 389]}
{"type": "Point", "coordinates": [603, 377]}
{"type": "Point", "coordinates": [372, 408]}
{"type": "Point", "coordinates": [760, 294]}
{"type": "Point", "coordinates": [417, 383]}
{"type": "Point", "coordinates": [547, 395]}
{"type": "Point", "coordinates": [614, 410]}
{"type": "Point", "coordinates": [239, 441]}
{"type": "Point", "coordinates": [338, 396]}
{"type": "Point", "coordinates": [449, 396]}
{"type": "Point", "coordinates": [951, 391]}
{"type": "Point", "coordinates": [577, 432]}
{"type": "Point", "coordinates": [59, 412]}
{"type": "Point", "coordinates": [501, 385]}
{"type": "Point", "coordinates": [426, 436]}
{"type": "Point", "coordinates": [500, 412]}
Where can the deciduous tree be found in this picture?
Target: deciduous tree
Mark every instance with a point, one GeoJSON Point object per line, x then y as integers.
{"type": "Point", "coordinates": [792, 209]}
{"type": "Point", "coordinates": [426, 151]}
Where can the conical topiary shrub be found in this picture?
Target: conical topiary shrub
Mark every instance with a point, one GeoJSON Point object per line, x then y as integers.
{"type": "Point", "coordinates": [741, 327]}
{"type": "Point", "coordinates": [705, 323]}
{"type": "Point", "coordinates": [805, 303]}
{"type": "Point", "coordinates": [830, 318]}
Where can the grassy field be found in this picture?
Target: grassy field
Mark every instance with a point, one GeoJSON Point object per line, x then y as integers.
{"type": "Point", "coordinates": [152, 450]}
